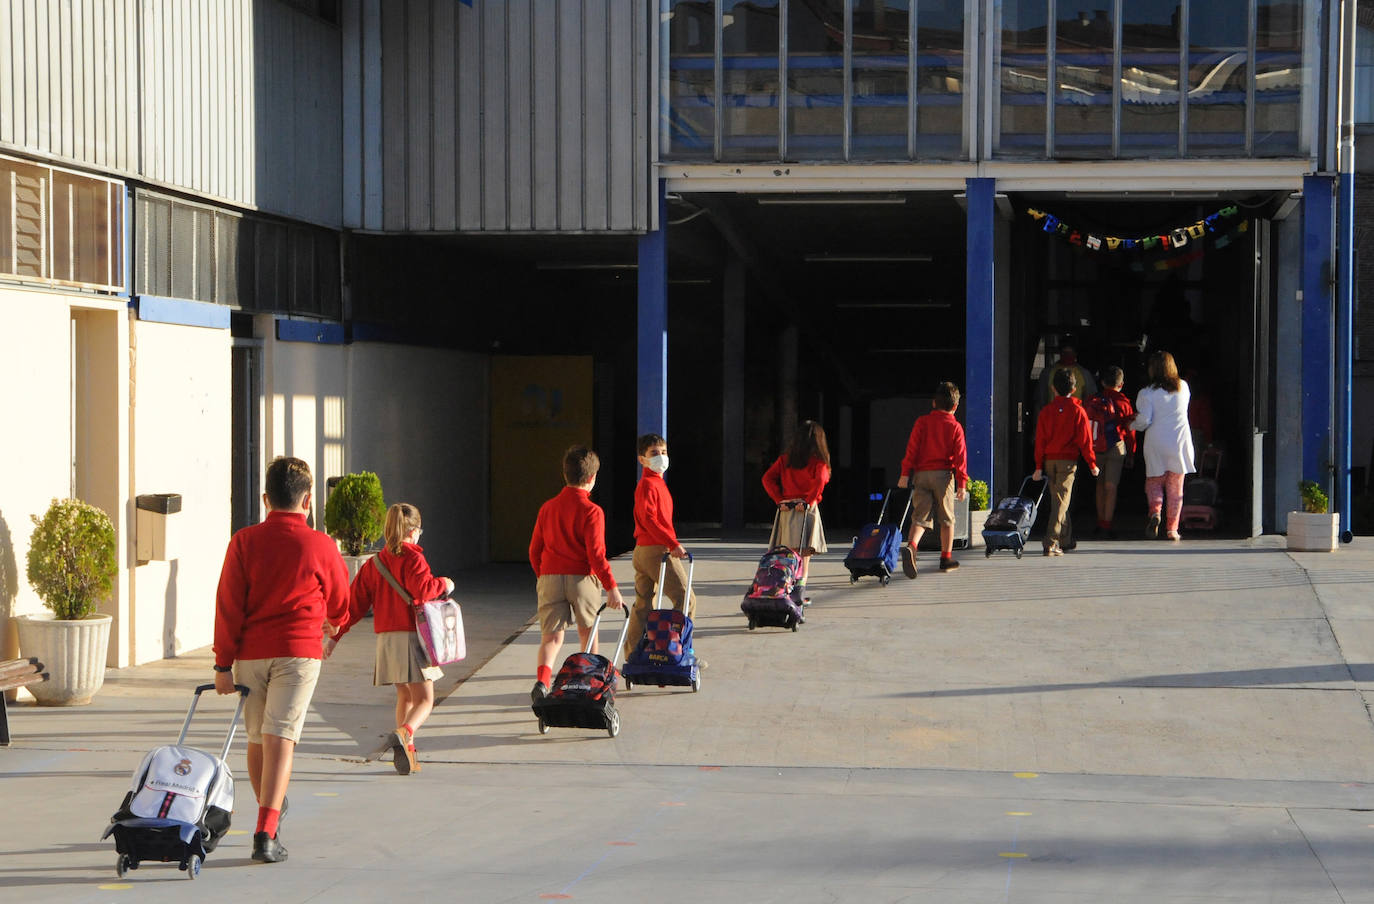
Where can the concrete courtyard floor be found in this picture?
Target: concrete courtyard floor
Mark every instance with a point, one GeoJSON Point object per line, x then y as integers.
{"type": "Point", "coordinates": [1135, 722]}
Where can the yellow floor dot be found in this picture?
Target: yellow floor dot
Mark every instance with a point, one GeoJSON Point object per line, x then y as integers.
{"type": "Point", "coordinates": [115, 886]}
{"type": "Point", "coordinates": [1026, 774]}
{"type": "Point", "coordinates": [326, 794]}
{"type": "Point", "coordinates": [1018, 812]}
{"type": "Point", "coordinates": [238, 832]}
{"type": "Point", "coordinates": [1014, 856]}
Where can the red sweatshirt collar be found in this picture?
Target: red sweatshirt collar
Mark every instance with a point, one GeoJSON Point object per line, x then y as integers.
{"type": "Point", "coordinates": [278, 516]}
{"type": "Point", "coordinates": [649, 473]}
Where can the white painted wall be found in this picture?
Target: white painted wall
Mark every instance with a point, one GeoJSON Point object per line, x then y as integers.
{"type": "Point", "coordinates": [304, 387]}
{"type": "Point", "coordinates": [181, 444]}
{"type": "Point", "coordinates": [35, 460]}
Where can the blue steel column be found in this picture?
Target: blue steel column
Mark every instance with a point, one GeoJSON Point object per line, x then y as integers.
{"type": "Point", "coordinates": [1318, 234]}
{"type": "Point", "coordinates": [652, 406]}
{"type": "Point", "coordinates": [978, 340]}
{"type": "Point", "coordinates": [1345, 315]}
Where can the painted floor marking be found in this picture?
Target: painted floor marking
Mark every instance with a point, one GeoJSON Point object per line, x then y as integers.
{"type": "Point", "coordinates": [1025, 774]}
{"type": "Point", "coordinates": [1018, 813]}
{"type": "Point", "coordinates": [326, 794]}
{"type": "Point", "coordinates": [115, 886]}
{"type": "Point", "coordinates": [1013, 855]}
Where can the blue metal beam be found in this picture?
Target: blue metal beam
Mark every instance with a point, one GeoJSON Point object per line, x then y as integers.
{"type": "Point", "coordinates": [652, 407]}
{"type": "Point", "coordinates": [1318, 225]}
{"type": "Point", "coordinates": [978, 340]}
{"type": "Point", "coordinates": [1345, 352]}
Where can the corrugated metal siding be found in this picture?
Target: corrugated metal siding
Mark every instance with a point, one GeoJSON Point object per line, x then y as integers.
{"type": "Point", "coordinates": [240, 99]}
{"type": "Point", "coordinates": [516, 116]}
{"type": "Point", "coordinates": [68, 86]}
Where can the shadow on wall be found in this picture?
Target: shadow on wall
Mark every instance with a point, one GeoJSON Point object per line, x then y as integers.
{"type": "Point", "coordinates": [169, 612]}
{"type": "Point", "coordinates": [9, 589]}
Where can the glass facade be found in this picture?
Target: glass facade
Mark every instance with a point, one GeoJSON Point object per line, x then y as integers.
{"type": "Point", "coordinates": [888, 80]}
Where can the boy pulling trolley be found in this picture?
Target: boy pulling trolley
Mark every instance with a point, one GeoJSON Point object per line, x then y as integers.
{"type": "Point", "coordinates": [664, 654]}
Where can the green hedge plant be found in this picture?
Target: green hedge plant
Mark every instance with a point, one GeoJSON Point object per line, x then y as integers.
{"type": "Point", "coordinates": [355, 513]}
{"type": "Point", "coordinates": [1313, 499]}
{"type": "Point", "coordinates": [72, 559]}
{"type": "Point", "coordinates": [979, 496]}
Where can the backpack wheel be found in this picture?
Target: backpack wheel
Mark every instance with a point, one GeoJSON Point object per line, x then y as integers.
{"type": "Point", "coordinates": [696, 684]}
{"type": "Point", "coordinates": [543, 727]}
{"type": "Point", "coordinates": [853, 579]}
{"type": "Point", "coordinates": [192, 866]}
{"type": "Point", "coordinates": [885, 580]}
{"type": "Point", "coordinates": [613, 724]}
{"type": "Point", "coordinates": [751, 623]}
{"type": "Point", "coordinates": [794, 626]}
{"type": "Point", "coordinates": [628, 683]}
{"type": "Point", "coordinates": [1019, 552]}
{"type": "Point", "coordinates": [122, 865]}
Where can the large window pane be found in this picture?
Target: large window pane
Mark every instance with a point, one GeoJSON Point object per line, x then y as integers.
{"type": "Point", "coordinates": [1149, 78]}
{"type": "Point", "coordinates": [1083, 84]}
{"type": "Point", "coordinates": [1278, 77]}
{"type": "Point", "coordinates": [689, 132]}
{"type": "Point", "coordinates": [1022, 78]}
{"type": "Point", "coordinates": [749, 40]}
{"type": "Point", "coordinates": [815, 80]}
{"type": "Point", "coordinates": [1217, 77]}
{"type": "Point", "coordinates": [881, 41]}
{"type": "Point", "coordinates": [940, 79]}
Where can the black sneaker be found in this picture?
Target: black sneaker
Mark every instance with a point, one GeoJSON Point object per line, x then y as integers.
{"type": "Point", "coordinates": [908, 561]}
{"type": "Point", "coordinates": [1069, 546]}
{"type": "Point", "coordinates": [268, 848]}
{"type": "Point", "coordinates": [538, 692]}
{"type": "Point", "coordinates": [949, 564]}
{"type": "Point", "coordinates": [1152, 528]}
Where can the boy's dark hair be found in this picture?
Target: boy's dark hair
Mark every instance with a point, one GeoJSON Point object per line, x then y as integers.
{"type": "Point", "coordinates": [647, 442]}
{"type": "Point", "coordinates": [286, 482]}
{"type": "Point", "coordinates": [946, 396]}
{"type": "Point", "coordinates": [1064, 381]}
{"type": "Point", "coordinates": [1112, 375]}
{"type": "Point", "coordinates": [580, 465]}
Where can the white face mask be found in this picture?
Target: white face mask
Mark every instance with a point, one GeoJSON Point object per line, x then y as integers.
{"type": "Point", "coordinates": [658, 464]}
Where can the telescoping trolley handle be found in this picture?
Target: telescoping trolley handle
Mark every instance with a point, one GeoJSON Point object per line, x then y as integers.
{"type": "Point", "coordinates": [624, 629]}
{"type": "Point", "coordinates": [663, 573]}
{"type": "Point", "coordinates": [887, 497]}
{"type": "Point", "coordinates": [233, 726]}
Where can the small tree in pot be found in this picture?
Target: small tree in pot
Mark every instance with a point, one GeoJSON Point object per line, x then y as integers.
{"type": "Point", "coordinates": [1313, 529]}
{"type": "Point", "coordinates": [72, 563]}
{"type": "Point", "coordinates": [355, 515]}
{"type": "Point", "coordinates": [979, 498]}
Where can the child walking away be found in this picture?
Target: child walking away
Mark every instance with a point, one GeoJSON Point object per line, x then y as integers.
{"type": "Point", "coordinates": [1110, 413]}
{"type": "Point", "coordinates": [568, 555]}
{"type": "Point", "coordinates": [401, 659]}
{"type": "Point", "coordinates": [655, 537]}
{"type": "Point", "coordinates": [1061, 436]}
{"type": "Point", "coordinates": [795, 482]}
{"type": "Point", "coordinates": [936, 468]}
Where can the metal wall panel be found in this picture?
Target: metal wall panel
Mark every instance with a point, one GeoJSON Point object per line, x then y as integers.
{"type": "Point", "coordinates": [499, 117]}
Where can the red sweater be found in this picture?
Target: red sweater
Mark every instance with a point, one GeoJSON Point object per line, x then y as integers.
{"type": "Point", "coordinates": [281, 581]}
{"type": "Point", "coordinates": [783, 482]}
{"type": "Point", "coordinates": [1112, 412]}
{"type": "Point", "coordinates": [1062, 433]}
{"type": "Point", "coordinates": [570, 537]}
{"type": "Point", "coordinates": [937, 444]}
{"type": "Point", "coordinates": [654, 512]}
{"type": "Point", "coordinates": [372, 591]}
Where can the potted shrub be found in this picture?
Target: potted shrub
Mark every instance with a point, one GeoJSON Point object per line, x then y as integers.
{"type": "Point", "coordinates": [354, 515]}
{"type": "Point", "coordinates": [1314, 529]}
{"type": "Point", "coordinates": [72, 563]}
{"type": "Point", "coordinates": [979, 501]}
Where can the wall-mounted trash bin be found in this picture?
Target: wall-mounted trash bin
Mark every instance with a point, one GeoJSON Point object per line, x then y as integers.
{"type": "Point", "coordinates": [154, 540]}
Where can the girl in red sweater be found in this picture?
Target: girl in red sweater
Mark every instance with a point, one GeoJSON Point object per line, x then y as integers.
{"type": "Point", "coordinates": [401, 660]}
{"type": "Point", "coordinates": [795, 482]}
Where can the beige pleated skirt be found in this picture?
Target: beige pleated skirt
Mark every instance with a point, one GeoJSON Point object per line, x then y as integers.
{"type": "Point", "coordinates": [402, 660]}
{"type": "Point", "coordinates": [799, 529]}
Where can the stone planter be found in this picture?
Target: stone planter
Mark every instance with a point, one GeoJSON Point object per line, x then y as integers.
{"type": "Point", "coordinates": [354, 563]}
{"type": "Point", "coordinates": [73, 654]}
{"type": "Point", "coordinates": [976, 521]}
{"type": "Point", "coordinates": [1308, 532]}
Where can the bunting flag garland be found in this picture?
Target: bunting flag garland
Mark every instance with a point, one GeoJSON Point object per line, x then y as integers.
{"type": "Point", "coordinates": [1218, 226]}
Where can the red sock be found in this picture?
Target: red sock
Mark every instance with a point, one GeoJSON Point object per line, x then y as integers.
{"type": "Point", "coordinates": [267, 821]}
{"type": "Point", "coordinates": [946, 555]}
{"type": "Point", "coordinates": [1105, 525]}
{"type": "Point", "coordinates": [410, 733]}
{"type": "Point", "coordinates": [545, 675]}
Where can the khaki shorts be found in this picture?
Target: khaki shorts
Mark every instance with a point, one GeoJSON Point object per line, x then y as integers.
{"type": "Point", "coordinates": [566, 600]}
{"type": "Point", "coordinates": [401, 659]}
{"type": "Point", "coordinates": [1110, 461]}
{"type": "Point", "coordinates": [932, 497]}
{"type": "Point", "coordinates": [279, 692]}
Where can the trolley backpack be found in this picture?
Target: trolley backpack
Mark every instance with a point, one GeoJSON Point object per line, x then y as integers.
{"type": "Point", "coordinates": [877, 547]}
{"type": "Point", "coordinates": [774, 597]}
{"type": "Point", "coordinates": [1200, 493]}
{"type": "Point", "coordinates": [179, 803]}
{"type": "Point", "coordinates": [583, 692]}
{"type": "Point", "coordinates": [1009, 524]}
{"type": "Point", "coordinates": [664, 655]}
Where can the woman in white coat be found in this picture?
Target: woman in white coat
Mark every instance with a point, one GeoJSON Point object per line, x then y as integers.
{"type": "Point", "coordinates": [1162, 412]}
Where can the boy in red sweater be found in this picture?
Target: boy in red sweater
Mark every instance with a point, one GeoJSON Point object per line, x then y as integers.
{"type": "Point", "coordinates": [281, 581]}
{"type": "Point", "coordinates": [1110, 413]}
{"type": "Point", "coordinates": [654, 536]}
{"type": "Point", "coordinates": [1061, 436]}
{"type": "Point", "coordinates": [936, 465]}
{"type": "Point", "coordinates": [568, 554]}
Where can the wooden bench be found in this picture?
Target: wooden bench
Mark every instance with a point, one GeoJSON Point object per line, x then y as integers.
{"type": "Point", "coordinates": [13, 674]}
